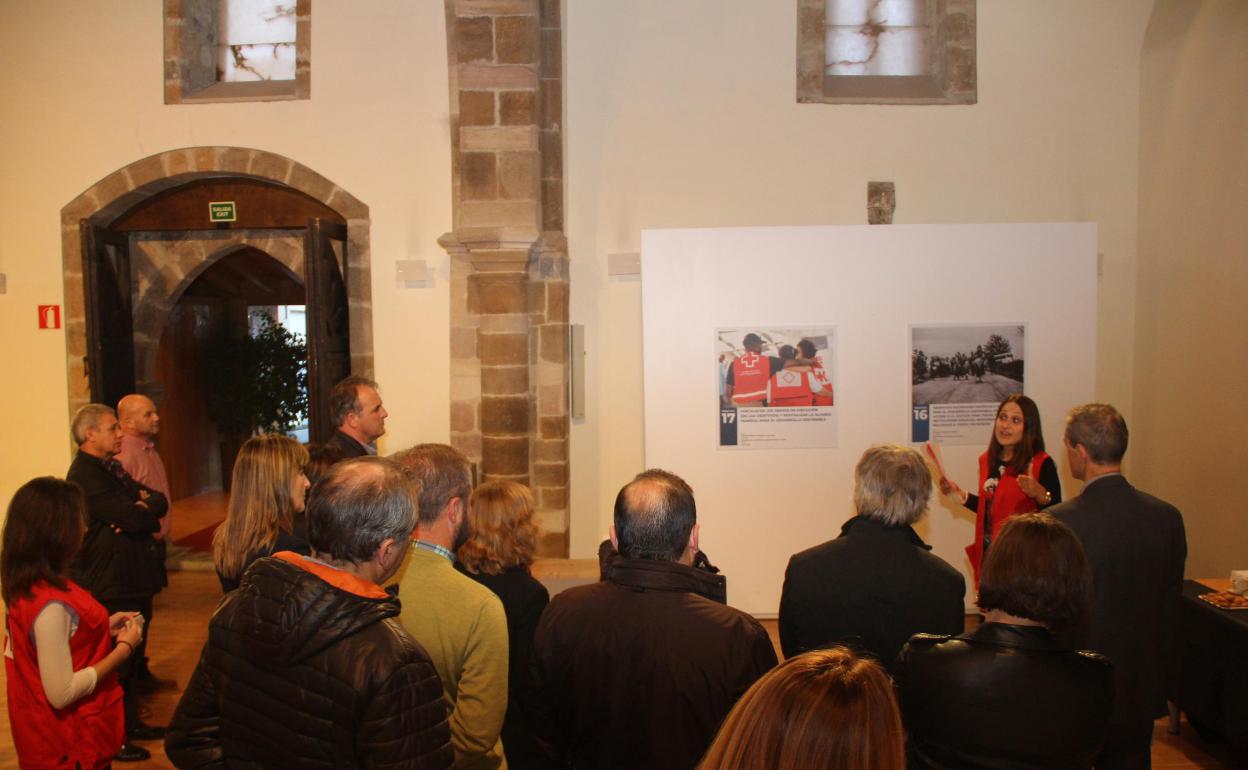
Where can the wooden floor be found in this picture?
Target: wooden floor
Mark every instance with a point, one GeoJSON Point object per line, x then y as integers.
{"type": "Point", "coordinates": [179, 628]}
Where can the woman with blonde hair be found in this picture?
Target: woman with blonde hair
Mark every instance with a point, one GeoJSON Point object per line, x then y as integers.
{"type": "Point", "coordinates": [500, 547]}
{"type": "Point", "coordinates": [269, 489]}
{"type": "Point", "coordinates": [822, 709]}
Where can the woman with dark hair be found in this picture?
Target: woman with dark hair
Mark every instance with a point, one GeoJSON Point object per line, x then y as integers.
{"type": "Point", "coordinates": [501, 544]}
{"type": "Point", "coordinates": [1015, 475]}
{"type": "Point", "coordinates": [822, 709]}
{"type": "Point", "coordinates": [1009, 694]}
{"type": "Point", "coordinates": [62, 647]}
{"type": "Point", "coordinates": [268, 491]}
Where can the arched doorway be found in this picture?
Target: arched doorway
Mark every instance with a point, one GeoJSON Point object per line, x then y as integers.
{"type": "Point", "coordinates": [134, 242]}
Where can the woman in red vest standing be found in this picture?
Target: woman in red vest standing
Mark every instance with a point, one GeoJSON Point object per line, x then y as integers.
{"type": "Point", "coordinates": [61, 646]}
{"type": "Point", "coordinates": [1015, 475]}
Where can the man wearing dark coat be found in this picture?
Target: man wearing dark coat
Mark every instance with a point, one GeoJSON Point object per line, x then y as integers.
{"type": "Point", "coordinates": [360, 416]}
{"type": "Point", "coordinates": [1137, 548]}
{"type": "Point", "coordinates": [119, 562]}
{"type": "Point", "coordinates": [877, 584]}
{"type": "Point", "coordinates": [639, 670]}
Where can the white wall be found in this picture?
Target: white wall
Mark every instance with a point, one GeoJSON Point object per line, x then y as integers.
{"type": "Point", "coordinates": [82, 96]}
{"type": "Point", "coordinates": [683, 114]}
{"type": "Point", "coordinates": [1187, 443]}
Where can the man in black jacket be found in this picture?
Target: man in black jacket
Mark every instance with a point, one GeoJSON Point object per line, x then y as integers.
{"type": "Point", "coordinates": [306, 664]}
{"type": "Point", "coordinates": [877, 584]}
{"type": "Point", "coordinates": [639, 670]}
{"type": "Point", "coordinates": [119, 562]}
{"type": "Point", "coordinates": [1137, 548]}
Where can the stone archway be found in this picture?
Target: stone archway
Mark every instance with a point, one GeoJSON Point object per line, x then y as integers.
{"type": "Point", "coordinates": [123, 189]}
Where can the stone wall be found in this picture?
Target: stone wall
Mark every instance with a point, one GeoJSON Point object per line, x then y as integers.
{"type": "Point", "coordinates": [509, 276]}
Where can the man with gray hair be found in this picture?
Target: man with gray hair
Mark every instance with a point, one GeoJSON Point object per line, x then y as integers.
{"type": "Point", "coordinates": [306, 663]}
{"type": "Point", "coordinates": [877, 584]}
{"type": "Point", "coordinates": [118, 561]}
{"type": "Point", "coordinates": [639, 670]}
{"type": "Point", "coordinates": [359, 415]}
{"type": "Point", "coordinates": [1137, 548]}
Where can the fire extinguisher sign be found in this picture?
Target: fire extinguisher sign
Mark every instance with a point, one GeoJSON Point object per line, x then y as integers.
{"type": "Point", "coordinates": [49, 316]}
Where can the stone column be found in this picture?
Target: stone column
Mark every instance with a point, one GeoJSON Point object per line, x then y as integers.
{"type": "Point", "coordinates": [509, 318]}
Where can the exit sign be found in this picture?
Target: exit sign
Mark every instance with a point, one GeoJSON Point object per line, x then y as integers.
{"type": "Point", "coordinates": [222, 211]}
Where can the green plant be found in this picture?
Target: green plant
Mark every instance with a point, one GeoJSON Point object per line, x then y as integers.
{"type": "Point", "coordinates": [258, 382]}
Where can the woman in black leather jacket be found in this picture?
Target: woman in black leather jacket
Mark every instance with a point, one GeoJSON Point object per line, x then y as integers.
{"type": "Point", "coordinates": [1009, 694]}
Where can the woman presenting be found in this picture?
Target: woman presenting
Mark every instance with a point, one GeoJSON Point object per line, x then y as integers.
{"type": "Point", "coordinates": [1015, 475]}
{"type": "Point", "coordinates": [62, 647]}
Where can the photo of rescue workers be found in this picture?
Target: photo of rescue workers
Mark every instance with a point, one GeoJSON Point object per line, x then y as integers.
{"type": "Point", "coordinates": [767, 367]}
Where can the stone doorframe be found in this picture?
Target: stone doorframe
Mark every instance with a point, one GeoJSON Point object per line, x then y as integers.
{"type": "Point", "coordinates": [509, 262]}
{"type": "Point", "coordinates": [121, 190]}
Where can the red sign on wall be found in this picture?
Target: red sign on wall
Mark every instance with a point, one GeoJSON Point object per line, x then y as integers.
{"type": "Point", "coordinates": [49, 316]}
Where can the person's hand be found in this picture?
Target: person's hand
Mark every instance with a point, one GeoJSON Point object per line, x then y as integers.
{"type": "Point", "coordinates": [117, 621]}
{"type": "Point", "coordinates": [1032, 488]}
{"type": "Point", "coordinates": [131, 632]}
{"type": "Point", "coordinates": [949, 487]}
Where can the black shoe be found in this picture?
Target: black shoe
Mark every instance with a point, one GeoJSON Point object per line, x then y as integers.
{"type": "Point", "coordinates": [142, 732]}
{"type": "Point", "coordinates": [131, 753]}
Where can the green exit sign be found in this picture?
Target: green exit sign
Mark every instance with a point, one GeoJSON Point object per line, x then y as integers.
{"type": "Point", "coordinates": [222, 211]}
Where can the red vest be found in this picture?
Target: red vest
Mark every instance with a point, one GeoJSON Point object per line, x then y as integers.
{"type": "Point", "coordinates": [821, 382]}
{"type": "Point", "coordinates": [1008, 500]}
{"type": "Point", "coordinates": [87, 732]}
{"type": "Point", "coordinates": [789, 388]}
{"type": "Point", "coordinates": [749, 379]}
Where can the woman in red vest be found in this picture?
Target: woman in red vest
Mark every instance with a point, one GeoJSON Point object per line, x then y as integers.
{"type": "Point", "coordinates": [61, 646]}
{"type": "Point", "coordinates": [1015, 475]}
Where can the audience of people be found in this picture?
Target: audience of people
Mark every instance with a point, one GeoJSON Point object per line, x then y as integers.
{"type": "Point", "coordinates": [269, 489]}
{"type": "Point", "coordinates": [1011, 693]}
{"type": "Point", "coordinates": [459, 621]}
{"type": "Point", "coordinates": [821, 709]}
{"type": "Point", "coordinates": [639, 670]}
{"type": "Point", "coordinates": [467, 662]}
{"type": "Point", "coordinates": [306, 663]}
{"type": "Point", "coordinates": [877, 584]}
{"type": "Point", "coordinates": [501, 546]}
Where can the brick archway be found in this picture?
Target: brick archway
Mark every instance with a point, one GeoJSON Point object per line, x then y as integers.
{"type": "Point", "coordinates": [123, 189]}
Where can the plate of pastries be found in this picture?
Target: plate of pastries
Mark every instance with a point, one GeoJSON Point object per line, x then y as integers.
{"type": "Point", "coordinates": [1226, 600]}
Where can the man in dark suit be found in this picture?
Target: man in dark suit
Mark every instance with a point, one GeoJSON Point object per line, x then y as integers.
{"type": "Point", "coordinates": [361, 418]}
{"type": "Point", "coordinates": [118, 561]}
{"type": "Point", "coordinates": [877, 584]}
{"type": "Point", "coordinates": [1136, 547]}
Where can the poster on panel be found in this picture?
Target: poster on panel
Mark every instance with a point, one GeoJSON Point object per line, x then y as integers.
{"type": "Point", "coordinates": [776, 387]}
{"type": "Point", "coordinates": [959, 374]}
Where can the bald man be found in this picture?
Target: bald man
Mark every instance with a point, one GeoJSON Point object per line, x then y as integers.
{"type": "Point", "coordinates": [139, 422]}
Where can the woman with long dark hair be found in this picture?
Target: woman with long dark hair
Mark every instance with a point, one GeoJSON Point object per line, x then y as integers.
{"type": "Point", "coordinates": [269, 489]}
{"type": "Point", "coordinates": [62, 646]}
{"type": "Point", "coordinates": [1016, 475]}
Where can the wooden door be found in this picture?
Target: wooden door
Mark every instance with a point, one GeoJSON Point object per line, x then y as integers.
{"type": "Point", "coordinates": [328, 321]}
{"type": "Point", "coordinates": [110, 320]}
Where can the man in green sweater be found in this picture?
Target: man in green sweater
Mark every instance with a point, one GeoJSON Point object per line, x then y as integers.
{"type": "Point", "coordinates": [460, 622]}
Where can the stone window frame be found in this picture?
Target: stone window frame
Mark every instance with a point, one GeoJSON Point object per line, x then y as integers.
{"type": "Point", "coordinates": [190, 59]}
{"type": "Point", "coordinates": [952, 68]}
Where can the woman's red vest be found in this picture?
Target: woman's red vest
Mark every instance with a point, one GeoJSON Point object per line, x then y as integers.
{"type": "Point", "coordinates": [85, 733]}
{"type": "Point", "coordinates": [1008, 500]}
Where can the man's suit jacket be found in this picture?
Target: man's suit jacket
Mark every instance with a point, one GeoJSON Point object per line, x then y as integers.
{"type": "Point", "coordinates": [350, 447]}
{"type": "Point", "coordinates": [1137, 548]}
{"type": "Point", "coordinates": [112, 564]}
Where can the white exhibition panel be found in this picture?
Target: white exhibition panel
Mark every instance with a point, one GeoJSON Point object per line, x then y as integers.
{"type": "Point", "coordinates": [756, 507]}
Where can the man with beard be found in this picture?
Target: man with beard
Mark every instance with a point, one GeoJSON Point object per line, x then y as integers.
{"type": "Point", "coordinates": [460, 622]}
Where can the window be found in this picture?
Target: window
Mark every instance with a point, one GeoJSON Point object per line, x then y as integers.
{"type": "Point", "coordinates": [237, 50]}
{"type": "Point", "coordinates": [886, 51]}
